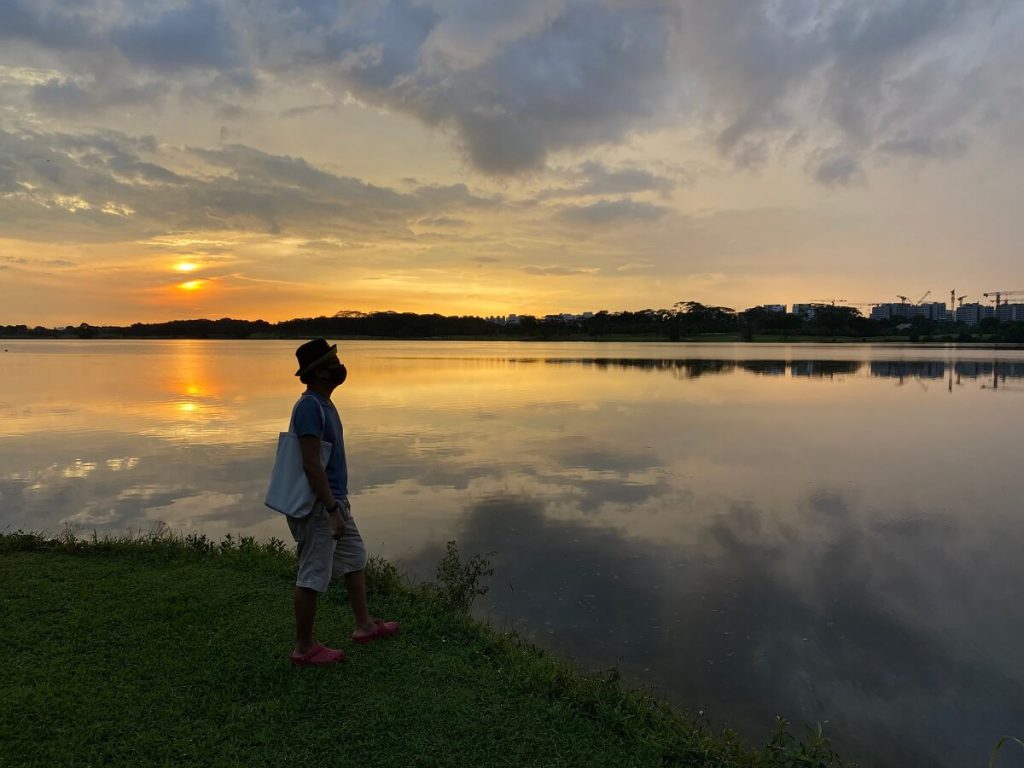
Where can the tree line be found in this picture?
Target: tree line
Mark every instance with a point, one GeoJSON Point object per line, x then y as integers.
{"type": "Point", "coordinates": [684, 320]}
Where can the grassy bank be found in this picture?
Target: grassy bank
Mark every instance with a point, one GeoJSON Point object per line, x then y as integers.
{"type": "Point", "coordinates": [162, 650]}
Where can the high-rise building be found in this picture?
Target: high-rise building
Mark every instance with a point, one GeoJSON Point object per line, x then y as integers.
{"type": "Point", "coordinates": [893, 311]}
{"type": "Point", "coordinates": [974, 313]}
{"type": "Point", "coordinates": [807, 311]}
{"type": "Point", "coordinates": [1010, 313]}
{"type": "Point", "coordinates": [933, 310]}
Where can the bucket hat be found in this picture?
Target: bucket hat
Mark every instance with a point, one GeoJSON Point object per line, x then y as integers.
{"type": "Point", "coordinates": [313, 353]}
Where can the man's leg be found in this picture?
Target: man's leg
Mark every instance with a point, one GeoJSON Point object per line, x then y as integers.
{"type": "Point", "coordinates": [315, 552]}
{"type": "Point", "coordinates": [355, 583]}
{"type": "Point", "coordinates": [304, 600]}
{"type": "Point", "coordinates": [350, 559]}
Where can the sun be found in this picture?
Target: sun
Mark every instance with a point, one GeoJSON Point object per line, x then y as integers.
{"type": "Point", "coordinates": [192, 285]}
{"type": "Point", "coordinates": [186, 266]}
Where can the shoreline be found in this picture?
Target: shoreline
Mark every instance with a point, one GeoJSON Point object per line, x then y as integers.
{"type": "Point", "coordinates": [881, 341]}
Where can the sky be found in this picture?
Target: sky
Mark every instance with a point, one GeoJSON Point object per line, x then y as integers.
{"type": "Point", "coordinates": [267, 159]}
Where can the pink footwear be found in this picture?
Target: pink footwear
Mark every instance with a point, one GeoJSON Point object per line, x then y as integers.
{"type": "Point", "coordinates": [381, 629]}
{"type": "Point", "coordinates": [318, 656]}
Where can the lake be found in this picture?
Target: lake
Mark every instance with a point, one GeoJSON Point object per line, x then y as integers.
{"type": "Point", "coordinates": [823, 532]}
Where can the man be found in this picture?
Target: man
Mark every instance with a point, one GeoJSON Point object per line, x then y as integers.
{"type": "Point", "coordinates": [328, 541]}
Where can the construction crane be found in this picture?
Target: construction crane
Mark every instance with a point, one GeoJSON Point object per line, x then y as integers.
{"type": "Point", "coordinates": [960, 301]}
{"type": "Point", "coordinates": [871, 304]}
{"type": "Point", "coordinates": [828, 301]}
{"type": "Point", "coordinates": [999, 295]}
{"type": "Point", "coordinates": [904, 299]}
{"type": "Point", "coordinates": [926, 295]}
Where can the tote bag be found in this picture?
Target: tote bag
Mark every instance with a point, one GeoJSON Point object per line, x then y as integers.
{"type": "Point", "coordinates": [289, 492]}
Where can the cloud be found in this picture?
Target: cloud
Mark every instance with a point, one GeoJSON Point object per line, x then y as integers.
{"type": "Point", "coordinates": [48, 25]}
{"type": "Point", "coordinates": [588, 77]}
{"type": "Point", "coordinates": [442, 221]}
{"type": "Point", "coordinates": [235, 112]}
{"type": "Point", "coordinates": [454, 194]}
{"type": "Point", "coordinates": [559, 270]}
{"type": "Point", "coordinates": [837, 169]}
{"type": "Point", "coordinates": [10, 262]}
{"type": "Point", "coordinates": [579, 75]}
{"type": "Point", "coordinates": [906, 77]}
{"type": "Point", "coordinates": [600, 180]}
{"type": "Point", "coordinates": [308, 109]}
{"type": "Point", "coordinates": [594, 178]}
{"type": "Point", "coordinates": [611, 211]}
{"type": "Point", "coordinates": [63, 97]}
{"type": "Point", "coordinates": [514, 83]}
{"type": "Point", "coordinates": [926, 146]}
{"type": "Point", "coordinates": [112, 186]}
{"type": "Point", "coordinates": [512, 86]}
{"type": "Point", "coordinates": [197, 35]}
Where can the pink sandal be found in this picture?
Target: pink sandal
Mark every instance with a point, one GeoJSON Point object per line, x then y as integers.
{"type": "Point", "coordinates": [318, 656]}
{"type": "Point", "coordinates": [381, 629]}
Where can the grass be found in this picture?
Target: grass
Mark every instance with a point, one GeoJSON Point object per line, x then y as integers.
{"type": "Point", "coordinates": [162, 650]}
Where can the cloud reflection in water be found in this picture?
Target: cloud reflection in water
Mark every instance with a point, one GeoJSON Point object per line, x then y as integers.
{"type": "Point", "coordinates": [824, 619]}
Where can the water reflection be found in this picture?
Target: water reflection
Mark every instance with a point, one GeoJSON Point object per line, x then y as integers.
{"type": "Point", "coordinates": [828, 619]}
{"type": "Point", "coordinates": [993, 372]}
{"type": "Point", "coordinates": [755, 530]}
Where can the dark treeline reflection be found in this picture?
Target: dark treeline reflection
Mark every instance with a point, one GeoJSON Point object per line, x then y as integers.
{"type": "Point", "coordinates": [693, 369]}
{"type": "Point", "coordinates": [886, 369]}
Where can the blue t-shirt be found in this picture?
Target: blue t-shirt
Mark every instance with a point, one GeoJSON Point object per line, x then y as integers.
{"type": "Point", "coordinates": [310, 420]}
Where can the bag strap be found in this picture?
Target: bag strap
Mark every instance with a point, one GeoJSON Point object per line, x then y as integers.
{"type": "Point", "coordinates": [323, 414]}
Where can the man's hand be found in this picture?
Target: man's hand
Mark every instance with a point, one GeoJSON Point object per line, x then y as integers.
{"type": "Point", "coordinates": [337, 521]}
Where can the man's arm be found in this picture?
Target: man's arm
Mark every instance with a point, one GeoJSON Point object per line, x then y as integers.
{"type": "Point", "coordinates": [318, 480]}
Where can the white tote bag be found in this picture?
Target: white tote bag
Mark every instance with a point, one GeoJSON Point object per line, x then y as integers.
{"type": "Point", "coordinates": [289, 492]}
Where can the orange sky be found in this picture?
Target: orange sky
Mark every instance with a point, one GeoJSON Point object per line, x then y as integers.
{"type": "Point", "coordinates": [185, 161]}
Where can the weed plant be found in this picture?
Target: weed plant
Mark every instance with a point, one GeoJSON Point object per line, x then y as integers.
{"type": "Point", "coordinates": [999, 745]}
{"type": "Point", "coordinates": [458, 583]}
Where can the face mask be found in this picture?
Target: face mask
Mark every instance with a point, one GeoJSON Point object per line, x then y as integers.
{"type": "Point", "coordinates": [337, 375]}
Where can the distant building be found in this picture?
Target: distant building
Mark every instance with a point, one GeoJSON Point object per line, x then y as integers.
{"type": "Point", "coordinates": [894, 311]}
{"type": "Point", "coordinates": [1010, 313]}
{"type": "Point", "coordinates": [902, 311]}
{"type": "Point", "coordinates": [933, 310]}
{"type": "Point", "coordinates": [779, 308]}
{"type": "Point", "coordinates": [974, 313]}
{"type": "Point", "coordinates": [567, 317]}
{"type": "Point", "coordinates": [807, 311]}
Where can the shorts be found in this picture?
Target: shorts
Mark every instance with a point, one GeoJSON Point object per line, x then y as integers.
{"type": "Point", "coordinates": [321, 557]}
